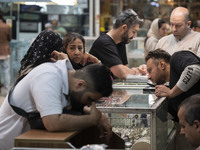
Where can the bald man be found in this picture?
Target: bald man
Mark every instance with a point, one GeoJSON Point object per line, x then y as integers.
{"type": "Point", "coordinates": [182, 37]}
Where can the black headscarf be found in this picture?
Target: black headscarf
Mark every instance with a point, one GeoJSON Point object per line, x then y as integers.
{"type": "Point", "coordinates": [40, 50]}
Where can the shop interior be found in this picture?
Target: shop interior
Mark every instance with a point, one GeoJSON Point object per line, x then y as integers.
{"type": "Point", "coordinates": [136, 114]}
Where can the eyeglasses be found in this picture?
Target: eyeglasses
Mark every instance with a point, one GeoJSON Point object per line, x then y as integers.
{"type": "Point", "coordinates": [130, 15]}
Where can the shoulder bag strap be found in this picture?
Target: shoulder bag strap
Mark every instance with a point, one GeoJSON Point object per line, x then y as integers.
{"type": "Point", "coordinates": [18, 110]}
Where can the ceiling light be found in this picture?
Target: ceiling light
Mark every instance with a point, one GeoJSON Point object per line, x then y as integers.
{"type": "Point", "coordinates": [65, 2]}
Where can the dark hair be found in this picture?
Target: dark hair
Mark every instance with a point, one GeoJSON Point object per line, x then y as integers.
{"type": "Point", "coordinates": [1, 15]}
{"type": "Point", "coordinates": [40, 50]}
{"type": "Point", "coordinates": [191, 108]}
{"type": "Point", "coordinates": [69, 37]}
{"type": "Point", "coordinates": [158, 54]}
{"type": "Point", "coordinates": [160, 23]}
{"type": "Point", "coordinates": [98, 77]}
{"type": "Point", "coordinates": [195, 24]}
{"type": "Point", "coordinates": [128, 17]}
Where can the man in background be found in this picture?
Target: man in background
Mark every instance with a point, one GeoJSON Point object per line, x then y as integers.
{"type": "Point", "coordinates": [58, 29]}
{"type": "Point", "coordinates": [5, 33]}
{"type": "Point", "coordinates": [189, 118]}
{"type": "Point", "coordinates": [110, 48]}
{"type": "Point", "coordinates": [182, 37]}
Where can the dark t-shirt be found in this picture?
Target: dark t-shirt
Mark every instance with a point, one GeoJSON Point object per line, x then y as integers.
{"type": "Point", "coordinates": [78, 66]}
{"type": "Point", "coordinates": [179, 61]}
{"type": "Point", "coordinates": [110, 54]}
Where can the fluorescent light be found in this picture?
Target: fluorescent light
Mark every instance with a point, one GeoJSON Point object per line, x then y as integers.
{"type": "Point", "coordinates": [65, 2]}
{"type": "Point", "coordinates": [36, 3]}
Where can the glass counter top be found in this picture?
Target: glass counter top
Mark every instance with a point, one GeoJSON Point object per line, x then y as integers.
{"type": "Point", "coordinates": [135, 83]}
{"type": "Point", "coordinates": [129, 99]}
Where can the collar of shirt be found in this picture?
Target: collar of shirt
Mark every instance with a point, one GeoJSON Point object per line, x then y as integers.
{"type": "Point", "coordinates": [64, 66]}
{"type": "Point", "coordinates": [189, 32]}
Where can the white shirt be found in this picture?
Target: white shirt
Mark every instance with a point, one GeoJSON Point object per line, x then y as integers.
{"type": "Point", "coordinates": [198, 148]}
{"type": "Point", "coordinates": [190, 42]}
{"type": "Point", "coordinates": [41, 90]}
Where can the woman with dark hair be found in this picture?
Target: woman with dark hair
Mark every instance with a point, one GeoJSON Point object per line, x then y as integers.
{"type": "Point", "coordinates": [74, 46]}
{"type": "Point", "coordinates": [40, 51]}
{"type": "Point", "coordinates": [157, 30]}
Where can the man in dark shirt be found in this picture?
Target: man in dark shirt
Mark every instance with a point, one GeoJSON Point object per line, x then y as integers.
{"type": "Point", "coordinates": [110, 47]}
{"type": "Point", "coordinates": [181, 70]}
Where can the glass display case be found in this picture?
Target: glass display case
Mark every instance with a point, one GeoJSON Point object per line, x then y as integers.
{"type": "Point", "coordinates": [138, 117]}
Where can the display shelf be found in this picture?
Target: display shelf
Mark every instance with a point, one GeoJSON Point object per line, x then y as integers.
{"type": "Point", "coordinates": [139, 118]}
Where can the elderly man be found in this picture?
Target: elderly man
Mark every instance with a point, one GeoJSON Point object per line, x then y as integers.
{"type": "Point", "coordinates": [189, 118]}
{"type": "Point", "coordinates": [182, 38]}
{"type": "Point", "coordinates": [110, 48]}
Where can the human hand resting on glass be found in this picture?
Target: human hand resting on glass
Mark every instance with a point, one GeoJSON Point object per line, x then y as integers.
{"type": "Point", "coordinates": [162, 91]}
{"type": "Point", "coordinates": [143, 69]}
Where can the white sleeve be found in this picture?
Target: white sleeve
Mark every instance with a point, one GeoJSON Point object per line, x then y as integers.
{"type": "Point", "coordinates": [189, 77]}
{"type": "Point", "coordinates": [46, 92]}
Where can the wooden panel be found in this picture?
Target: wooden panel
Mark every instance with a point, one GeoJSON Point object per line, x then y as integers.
{"type": "Point", "coordinates": [44, 139]}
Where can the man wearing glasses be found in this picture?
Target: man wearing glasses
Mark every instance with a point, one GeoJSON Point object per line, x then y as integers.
{"type": "Point", "coordinates": [110, 48]}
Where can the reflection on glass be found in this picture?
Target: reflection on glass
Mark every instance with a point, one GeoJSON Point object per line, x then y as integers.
{"type": "Point", "coordinates": [129, 98]}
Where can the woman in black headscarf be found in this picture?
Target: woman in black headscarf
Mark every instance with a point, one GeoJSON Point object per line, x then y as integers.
{"type": "Point", "coordinates": [40, 51]}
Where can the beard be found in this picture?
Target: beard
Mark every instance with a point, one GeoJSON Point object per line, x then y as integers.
{"type": "Point", "coordinates": [160, 80]}
{"type": "Point", "coordinates": [125, 38]}
{"type": "Point", "coordinates": [75, 101]}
